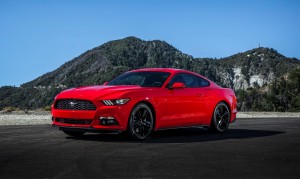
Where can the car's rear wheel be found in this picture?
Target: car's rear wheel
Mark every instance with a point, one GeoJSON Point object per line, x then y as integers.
{"type": "Point", "coordinates": [221, 118]}
{"type": "Point", "coordinates": [141, 122]}
{"type": "Point", "coordinates": [74, 133]}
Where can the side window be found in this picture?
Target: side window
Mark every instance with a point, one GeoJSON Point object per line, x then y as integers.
{"type": "Point", "coordinates": [202, 82]}
{"type": "Point", "coordinates": [177, 78]}
{"type": "Point", "coordinates": [190, 81]}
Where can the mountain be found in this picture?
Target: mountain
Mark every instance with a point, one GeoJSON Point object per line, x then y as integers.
{"type": "Point", "coordinates": [256, 67]}
{"type": "Point", "coordinates": [100, 64]}
{"type": "Point", "coordinates": [253, 69]}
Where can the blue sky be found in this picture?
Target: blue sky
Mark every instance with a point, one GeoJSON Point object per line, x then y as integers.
{"type": "Point", "coordinates": [37, 36]}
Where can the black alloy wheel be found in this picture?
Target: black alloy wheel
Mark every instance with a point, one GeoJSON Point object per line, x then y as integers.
{"type": "Point", "coordinates": [221, 118]}
{"type": "Point", "coordinates": [141, 122]}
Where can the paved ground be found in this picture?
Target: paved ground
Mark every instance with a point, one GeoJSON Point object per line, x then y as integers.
{"type": "Point", "coordinates": [251, 148]}
{"type": "Point", "coordinates": [38, 117]}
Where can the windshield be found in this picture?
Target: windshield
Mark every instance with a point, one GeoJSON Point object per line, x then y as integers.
{"type": "Point", "coordinates": [144, 79]}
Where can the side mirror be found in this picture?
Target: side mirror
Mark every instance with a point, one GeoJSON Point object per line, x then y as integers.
{"type": "Point", "coordinates": [177, 85]}
{"type": "Point", "coordinates": [105, 83]}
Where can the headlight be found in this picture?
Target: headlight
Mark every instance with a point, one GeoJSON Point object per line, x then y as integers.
{"type": "Point", "coordinates": [112, 102]}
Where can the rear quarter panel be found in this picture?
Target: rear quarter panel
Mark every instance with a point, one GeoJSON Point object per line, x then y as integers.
{"type": "Point", "coordinates": [215, 95]}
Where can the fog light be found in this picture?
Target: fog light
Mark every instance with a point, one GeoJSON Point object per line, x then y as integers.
{"type": "Point", "coordinates": [108, 121]}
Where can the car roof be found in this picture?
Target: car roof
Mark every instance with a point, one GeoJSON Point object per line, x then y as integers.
{"type": "Point", "coordinates": [175, 70]}
{"type": "Point", "coordinates": [171, 70]}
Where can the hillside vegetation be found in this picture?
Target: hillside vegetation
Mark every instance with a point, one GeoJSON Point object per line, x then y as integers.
{"type": "Point", "coordinates": [263, 79]}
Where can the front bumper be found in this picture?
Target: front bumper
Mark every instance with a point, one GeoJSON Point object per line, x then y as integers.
{"type": "Point", "coordinates": [104, 118]}
{"type": "Point", "coordinates": [90, 129]}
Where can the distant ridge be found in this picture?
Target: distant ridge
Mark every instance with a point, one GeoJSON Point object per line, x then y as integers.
{"type": "Point", "coordinates": [254, 68]}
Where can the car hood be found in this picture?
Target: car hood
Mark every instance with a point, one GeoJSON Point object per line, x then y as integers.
{"type": "Point", "coordinates": [96, 92]}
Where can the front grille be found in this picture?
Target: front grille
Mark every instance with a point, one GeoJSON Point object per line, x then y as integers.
{"type": "Point", "coordinates": [74, 104]}
{"type": "Point", "coordinates": [74, 121]}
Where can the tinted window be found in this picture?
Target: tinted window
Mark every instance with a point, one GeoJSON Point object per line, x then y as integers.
{"type": "Point", "coordinates": [190, 81]}
{"type": "Point", "coordinates": [202, 82]}
{"type": "Point", "coordinates": [144, 79]}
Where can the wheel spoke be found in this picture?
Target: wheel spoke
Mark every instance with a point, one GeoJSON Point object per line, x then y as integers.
{"type": "Point", "coordinates": [143, 130]}
{"type": "Point", "coordinates": [139, 115]}
{"type": "Point", "coordinates": [218, 113]}
{"type": "Point", "coordinates": [147, 124]}
{"type": "Point", "coordinates": [145, 113]}
{"type": "Point", "coordinates": [136, 124]}
{"type": "Point", "coordinates": [220, 122]}
{"type": "Point", "coordinates": [225, 114]}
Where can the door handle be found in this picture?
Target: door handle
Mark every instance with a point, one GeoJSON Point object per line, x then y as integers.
{"type": "Point", "coordinates": [199, 95]}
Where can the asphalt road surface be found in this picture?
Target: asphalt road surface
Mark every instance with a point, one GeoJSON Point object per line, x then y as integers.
{"type": "Point", "coordinates": [251, 148]}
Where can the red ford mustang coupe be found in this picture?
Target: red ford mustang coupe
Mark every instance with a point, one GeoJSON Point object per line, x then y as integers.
{"type": "Point", "coordinates": [145, 100]}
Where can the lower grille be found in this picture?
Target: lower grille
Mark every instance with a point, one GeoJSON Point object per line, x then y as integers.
{"type": "Point", "coordinates": [74, 104]}
{"type": "Point", "coordinates": [74, 121]}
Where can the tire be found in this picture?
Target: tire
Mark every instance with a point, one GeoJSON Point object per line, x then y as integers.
{"type": "Point", "coordinates": [74, 133]}
{"type": "Point", "coordinates": [141, 122]}
{"type": "Point", "coordinates": [221, 118]}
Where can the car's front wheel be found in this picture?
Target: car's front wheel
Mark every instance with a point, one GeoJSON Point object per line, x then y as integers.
{"type": "Point", "coordinates": [74, 133]}
{"type": "Point", "coordinates": [141, 122]}
{"type": "Point", "coordinates": [221, 118]}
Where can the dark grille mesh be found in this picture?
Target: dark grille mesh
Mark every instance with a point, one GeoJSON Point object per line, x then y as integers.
{"type": "Point", "coordinates": [74, 121]}
{"type": "Point", "coordinates": [74, 104]}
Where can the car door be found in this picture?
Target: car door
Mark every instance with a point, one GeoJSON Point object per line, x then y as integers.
{"type": "Point", "coordinates": [184, 106]}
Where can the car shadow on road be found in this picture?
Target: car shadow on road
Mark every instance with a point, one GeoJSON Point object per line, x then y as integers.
{"type": "Point", "coordinates": [203, 135]}
{"type": "Point", "coordinates": [186, 135]}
